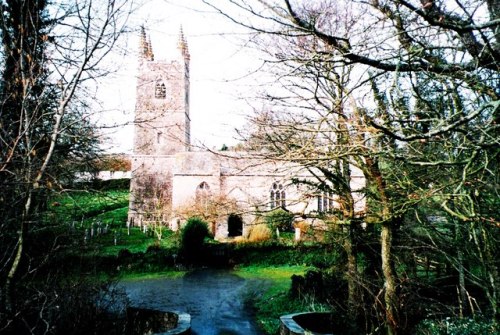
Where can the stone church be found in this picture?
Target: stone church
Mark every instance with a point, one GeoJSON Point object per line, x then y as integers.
{"type": "Point", "coordinates": [168, 173]}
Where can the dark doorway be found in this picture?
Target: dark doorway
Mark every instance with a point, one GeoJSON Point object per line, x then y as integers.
{"type": "Point", "coordinates": [234, 225]}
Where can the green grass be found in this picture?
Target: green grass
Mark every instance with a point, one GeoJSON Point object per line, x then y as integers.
{"type": "Point", "coordinates": [155, 275]}
{"type": "Point", "coordinates": [272, 299]}
{"type": "Point", "coordinates": [137, 241]}
{"type": "Point", "coordinates": [109, 207]}
{"type": "Point", "coordinates": [278, 275]}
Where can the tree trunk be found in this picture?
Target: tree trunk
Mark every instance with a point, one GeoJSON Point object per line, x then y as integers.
{"type": "Point", "coordinates": [461, 272]}
{"type": "Point", "coordinates": [351, 274]}
{"type": "Point", "coordinates": [390, 298]}
{"type": "Point", "coordinates": [9, 290]}
{"type": "Point", "coordinates": [21, 242]}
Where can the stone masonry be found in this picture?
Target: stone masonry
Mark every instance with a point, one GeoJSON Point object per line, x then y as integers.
{"type": "Point", "coordinates": [167, 174]}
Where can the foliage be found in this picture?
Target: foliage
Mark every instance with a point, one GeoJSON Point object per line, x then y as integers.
{"type": "Point", "coordinates": [280, 219]}
{"type": "Point", "coordinates": [275, 254]}
{"type": "Point", "coordinates": [103, 185]}
{"type": "Point", "coordinates": [193, 236]}
{"type": "Point", "coordinates": [274, 300]}
{"type": "Point", "coordinates": [259, 233]}
{"type": "Point", "coordinates": [113, 163]}
{"type": "Point", "coordinates": [133, 240]}
{"type": "Point", "coordinates": [456, 326]}
{"type": "Point", "coordinates": [47, 135]}
{"type": "Point", "coordinates": [75, 301]}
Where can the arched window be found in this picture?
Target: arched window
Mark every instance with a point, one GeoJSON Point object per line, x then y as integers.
{"type": "Point", "coordinates": [202, 193]}
{"type": "Point", "coordinates": [160, 90]}
{"type": "Point", "coordinates": [278, 196]}
{"type": "Point", "coordinates": [325, 202]}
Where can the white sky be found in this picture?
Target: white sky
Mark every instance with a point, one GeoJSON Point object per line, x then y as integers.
{"type": "Point", "coordinates": [220, 69]}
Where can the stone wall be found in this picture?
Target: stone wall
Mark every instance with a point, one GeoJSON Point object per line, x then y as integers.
{"type": "Point", "coordinates": [166, 175]}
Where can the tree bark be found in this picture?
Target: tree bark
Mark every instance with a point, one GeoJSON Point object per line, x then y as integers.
{"type": "Point", "coordinates": [390, 297]}
{"type": "Point", "coordinates": [351, 274]}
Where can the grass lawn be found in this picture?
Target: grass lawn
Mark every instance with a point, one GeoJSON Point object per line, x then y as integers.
{"type": "Point", "coordinates": [109, 208]}
{"type": "Point", "coordinates": [153, 275]}
{"type": "Point", "coordinates": [137, 241]}
{"type": "Point", "coordinates": [85, 207]}
{"type": "Point", "coordinates": [274, 301]}
{"type": "Point", "coordinates": [278, 275]}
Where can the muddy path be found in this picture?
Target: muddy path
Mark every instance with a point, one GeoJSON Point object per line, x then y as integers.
{"type": "Point", "coordinates": [213, 298]}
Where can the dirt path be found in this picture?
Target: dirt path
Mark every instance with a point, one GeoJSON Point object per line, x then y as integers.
{"type": "Point", "coordinates": [213, 298]}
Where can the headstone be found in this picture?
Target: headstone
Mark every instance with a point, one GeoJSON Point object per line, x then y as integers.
{"type": "Point", "coordinates": [297, 234]}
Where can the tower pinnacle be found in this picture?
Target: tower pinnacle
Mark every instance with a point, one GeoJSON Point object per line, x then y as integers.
{"type": "Point", "coordinates": [145, 47]}
{"type": "Point", "coordinates": [183, 46]}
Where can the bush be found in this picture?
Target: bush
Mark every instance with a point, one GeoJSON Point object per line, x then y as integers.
{"type": "Point", "coordinates": [193, 236]}
{"type": "Point", "coordinates": [259, 233]}
{"type": "Point", "coordinates": [279, 219]}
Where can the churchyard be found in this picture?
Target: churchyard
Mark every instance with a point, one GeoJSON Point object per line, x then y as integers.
{"type": "Point", "coordinates": [300, 276]}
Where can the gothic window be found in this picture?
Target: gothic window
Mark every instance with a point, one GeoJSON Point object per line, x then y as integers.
{"type": "Point", "coordinates": [325, 202]}
{"type": "Point", "coordinates": [278, 196]}
{"type": "Point", "coordinates": [160, 90]}
{"type": "Point", "coordinates": [202, 193]}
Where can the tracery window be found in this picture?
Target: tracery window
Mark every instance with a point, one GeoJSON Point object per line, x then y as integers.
{"type": "Point", "coordinates": [202, 193]}
{"type": "Point", "coordinates": [325, 202]}
{"type": "Point", "coordinates": [278, 196]}
{"type": "Point", "coordinates": [160, 90]}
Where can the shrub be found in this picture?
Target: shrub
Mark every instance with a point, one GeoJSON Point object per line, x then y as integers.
{"type": "Point", "coordinates": [259, 233]}
{"type": "Point", "coordinates": [279, 219]}
{"type": "Point", "coordinates": [124, 254]}
{"type": "Point", "coordinates": [193, 236]}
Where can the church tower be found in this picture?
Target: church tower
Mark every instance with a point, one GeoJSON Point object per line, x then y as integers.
{"type": "Point", "coordinates": [161, 129]}
{"type": "Point", "coordinates": [162, 124]}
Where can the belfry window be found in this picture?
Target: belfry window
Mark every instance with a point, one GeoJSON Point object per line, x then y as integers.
{"type": "Point", "coordinates": [160, 90]}
{"type": "Point", "coordinates": [278, 196]}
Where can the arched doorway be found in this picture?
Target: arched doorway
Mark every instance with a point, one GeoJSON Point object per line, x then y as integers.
{"type": "Point", "coordinates": [234, 225]}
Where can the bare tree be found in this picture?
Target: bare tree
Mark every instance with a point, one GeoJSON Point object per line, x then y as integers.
{"type": "Point", "coordinates": [53, 53]}
{"type": "Point", "coordinates": [428, 87]}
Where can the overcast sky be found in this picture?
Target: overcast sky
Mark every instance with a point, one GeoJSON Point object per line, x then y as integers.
{"type": "Point", "coordinates": [220, 69]}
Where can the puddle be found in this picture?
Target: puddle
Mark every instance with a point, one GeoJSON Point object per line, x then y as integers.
{"type": "Point", "coordinates": [214, 298]}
